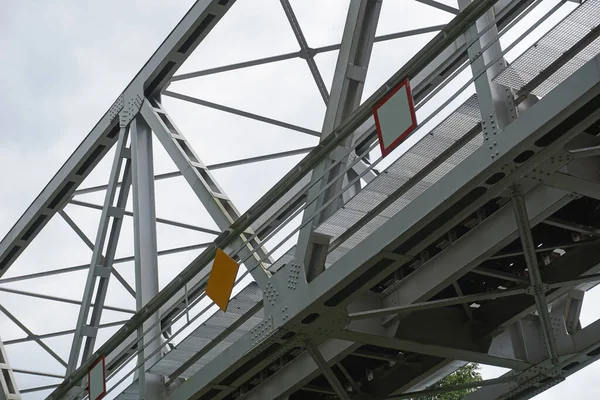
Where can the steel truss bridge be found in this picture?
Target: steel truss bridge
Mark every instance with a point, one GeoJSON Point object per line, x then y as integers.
{"type": "Point", "coordinates": [363, 277]}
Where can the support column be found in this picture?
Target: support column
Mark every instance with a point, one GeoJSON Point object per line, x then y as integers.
{"type": "Point", "coordinates": [346, 93]}
{"type": "Point", "coordinates": [496, 102]}
{"type": "Point", "coordinates": [146, 259]}
{"type": "Point", "coordinates": [538, 290]}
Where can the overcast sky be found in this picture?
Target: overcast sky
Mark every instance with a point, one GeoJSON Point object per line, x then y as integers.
{"type": "Point", "coordinates": [64, 62]}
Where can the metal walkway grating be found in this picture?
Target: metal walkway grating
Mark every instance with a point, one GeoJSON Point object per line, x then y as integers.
{"type": "Point", "coordinates": [551, 47]}
{"type": "Point", "coordinates": [463, 121]}
{"type": "Point", "coordinates": [202, 336]}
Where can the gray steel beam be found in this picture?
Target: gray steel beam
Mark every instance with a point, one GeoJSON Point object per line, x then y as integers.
{"type": "Point", "coordinates": [101, 265]}
{"type": "Point", "coordinates": [496, 104]}
{"type": "Point", "coordinates": [585, 152]}
{"type": "Point", "coordinates": [470, 250]}
{"type": "Point", "coordinates": [211, 195]}
{"type": "Point", "coordinates": [151, 79]}
{"type": "Point", "coordinates": [289, 56]}
{"type": "Point", "coordinates": [30, 334]}
{"type": "Point", "coordinates": [574, 184]}
{"type": "Point", "coordinates": [240, 113]}
{"type": "Point", "coordinates": [37, 373]}
{"type": "Point", "coordinates": [300, 371]}
{"type": "Point", "coordinates": [158, 220]}
{"type": "Point", "coordinates": [59, 333]}
{"type": "Point", "coordinates": [86, 266]}
{"type": "Point", "coordinates": [305, 50]}
{"type": "Point", "coordinates": [461, 300]}
{"type": "Point", "coordinates": [439, 6]}
{"type": "Point", "coordinates": [318, 358]}
{"type": "Point", "coordinates": [77, 230]}
{"type": "Point", "coordinates": [522, 219]}
{"type": "Point", "coordinates": [347, 88]}
{"type": "Point", "coordinates": [429, 349]}
{"type": "Point", "coordinates": [225, 164]}
{"type": "Point", "coordinates": [62, 300]}
{"type": "Point", "coordinates": [146, 258]}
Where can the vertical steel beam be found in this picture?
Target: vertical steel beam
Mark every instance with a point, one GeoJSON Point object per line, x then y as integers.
{"type": "Point", "coordinates": [346, 93]}
{"type": "Point", "coordinates": [8, 384]}
{"type": "Point", "coordinates": [145, 249]}
{"type": "Point", "coordinates": [520, 210]}
{"type": "Point", "coordinates": [100, 265]}
{"type": "Point", "coordinates": [496, 102]}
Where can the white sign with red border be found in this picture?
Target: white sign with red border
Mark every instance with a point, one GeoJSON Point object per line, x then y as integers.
{"type": "Point", "coordinates": [395, 117]}
{"type": "Point", "coordinates": [97, 380]}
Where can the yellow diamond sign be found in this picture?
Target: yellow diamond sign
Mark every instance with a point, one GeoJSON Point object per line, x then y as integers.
{"type": "Point", "coordinates": [221, 279]}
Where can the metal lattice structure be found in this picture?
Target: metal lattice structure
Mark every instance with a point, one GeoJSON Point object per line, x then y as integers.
{"type": "Point", "coordinates": [363, 277]}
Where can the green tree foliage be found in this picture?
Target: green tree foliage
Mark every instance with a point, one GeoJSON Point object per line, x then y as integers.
{"type": "Point", "coordinates": [467, 374]}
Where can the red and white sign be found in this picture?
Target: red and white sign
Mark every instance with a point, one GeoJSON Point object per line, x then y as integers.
{"type": "Point", "coordinates": [97, 380]}
{"type": "Point", "coordinates": [395, 117]}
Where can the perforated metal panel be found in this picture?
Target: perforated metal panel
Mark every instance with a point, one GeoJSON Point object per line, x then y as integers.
{"type": "Point", "coordinates": [462, 121]}
{"type": "Point", "coordinates": [553, 45]}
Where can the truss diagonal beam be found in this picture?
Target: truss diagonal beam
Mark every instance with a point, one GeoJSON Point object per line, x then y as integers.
{"type": "Point", "coordinates": [337, 386]}
{"type": "Point", "coordinates": [521, 215]}
{"type": "Point", "coordinates": [225, 164]}
{"type": "Point", "coordinates": [86, 266]}
{"type": "Point", "coordinates": [240, 113]}
{"type": "Point", "coordinates": [158, 220]}
{"type": "Point", "coordinates": [39, 388]}
{"type": "Point", "coordinates": [429, 349]}
{"type": "Point", "coordinates": [38, 373]}
{"type": "Point", "coordinates": [36, 338]}
{"type": "Point", "coordinates": [59, 333]}
{"type": "Point", "coordinates": [89, 243]}
{"type": "Point", "coordinates": [76, 229]}
{"type": "Point", "coordinates": [428, 305]}
{"type": "Point", "coordinates": [305, 50]}
{"type": "Point", "coordinates": [61, 300]}
{"type": "Point", "coordinates": [439, 6]}
{"type": "Point", "coordinates": [205, 186]}
{"type": "Point", "coordinates": [289, 56]}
